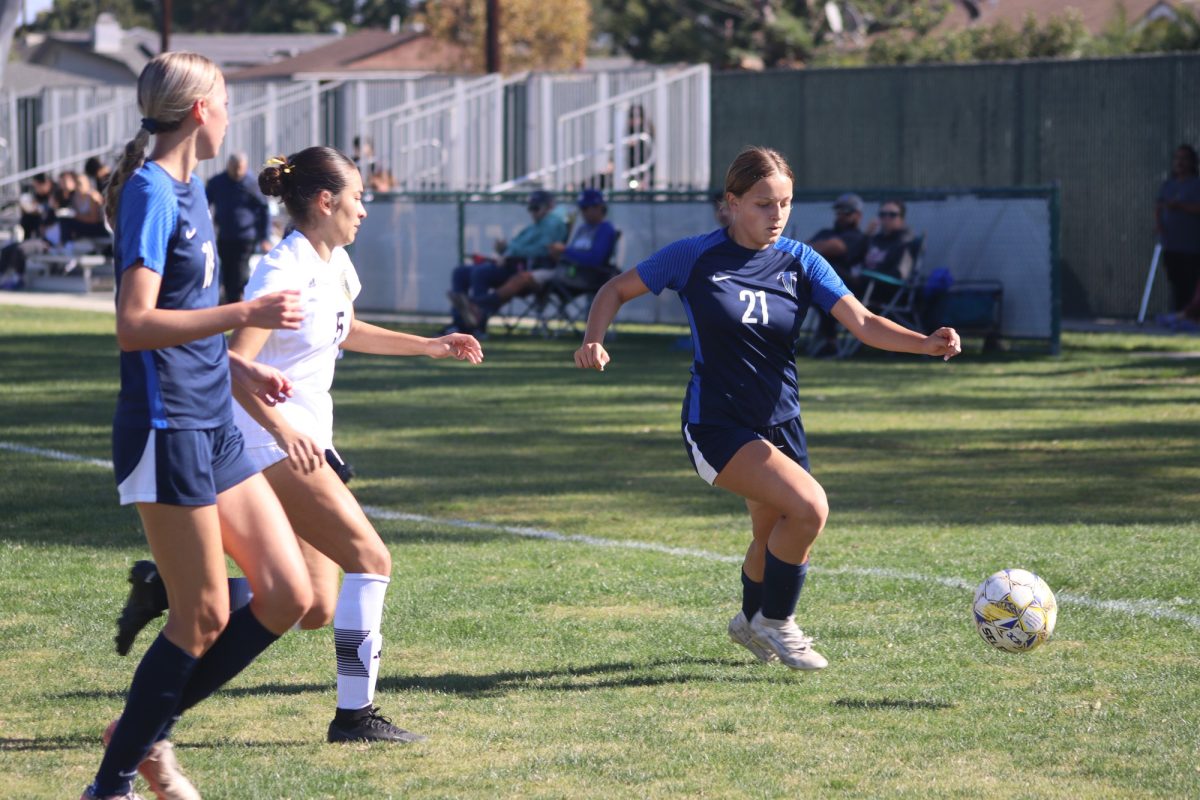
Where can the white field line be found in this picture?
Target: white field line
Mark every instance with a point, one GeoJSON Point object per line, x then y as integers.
{"type": "Point", "coordinates": [1155, 609]}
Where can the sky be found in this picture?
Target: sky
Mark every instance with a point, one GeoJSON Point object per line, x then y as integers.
{"type": "Point", "coordinates": [35, 7]}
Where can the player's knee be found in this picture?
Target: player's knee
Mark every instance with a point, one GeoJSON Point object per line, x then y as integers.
{"type": "Point", "coordinates": [811, 513]}
{"type": "Point", "coordinates": [377, 559]}
{"type": "Point", "coordinates": [208, 622]}
{"type": "Point", "coordinates": [290, 599]}
{"type": "Point", "coordinates": [319, 614]}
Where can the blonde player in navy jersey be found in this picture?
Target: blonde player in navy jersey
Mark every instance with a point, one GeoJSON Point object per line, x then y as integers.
{"type": "Point", "coordinates": [176, 453]}
{"type": "Point", "coordinates": [745, 290]}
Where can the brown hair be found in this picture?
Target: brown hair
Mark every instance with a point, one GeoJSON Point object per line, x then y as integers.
{"type": "Point", "coordinates": [301, 177]}
{"type": "Point", "coordinates": [752, 165]}
{"type": "Point", "coordinates": [167, 88]}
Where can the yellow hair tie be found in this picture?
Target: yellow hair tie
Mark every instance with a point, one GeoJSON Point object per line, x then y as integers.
{"type": "Point", "coordinates": [275, 161]}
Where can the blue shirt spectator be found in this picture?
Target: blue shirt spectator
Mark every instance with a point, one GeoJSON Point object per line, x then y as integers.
{"type": "Point", "coordinates": [241, 213]}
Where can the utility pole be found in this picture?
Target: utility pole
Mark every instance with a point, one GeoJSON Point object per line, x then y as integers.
{"type": "Point", "coordinates": [164, 43]}
{"type": "Point", "coordinates": [492, 39]}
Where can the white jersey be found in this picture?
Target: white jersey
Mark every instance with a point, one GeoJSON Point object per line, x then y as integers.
{"type": "Point", "coordinates": [306, 356]}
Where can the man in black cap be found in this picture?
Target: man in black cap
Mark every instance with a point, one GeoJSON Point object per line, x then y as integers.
{"type": "Point", "coordinates": [844, 247]}
{"type": "Point", "coordinates": [528, 249]}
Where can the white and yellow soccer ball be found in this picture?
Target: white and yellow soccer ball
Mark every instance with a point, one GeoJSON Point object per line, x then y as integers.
{"type": "Point", "coordinates": [1014, 611]}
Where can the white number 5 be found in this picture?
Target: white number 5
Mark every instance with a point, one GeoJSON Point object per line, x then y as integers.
{"type": "Point", "coordinates": [748, 297]}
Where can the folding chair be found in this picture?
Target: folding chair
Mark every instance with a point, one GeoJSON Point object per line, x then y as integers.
{"type": "Point", "coordinates": [561, 305]}
{"type": "Point", "coordinates": [524, 309]}
{"type": "Point", "coordinates": [891, 297]}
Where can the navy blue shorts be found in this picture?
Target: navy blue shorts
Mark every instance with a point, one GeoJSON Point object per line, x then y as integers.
{"type": "Point", "coordinates": [710, 447]}
{"type": "Point", "coordinates": [179, 468]}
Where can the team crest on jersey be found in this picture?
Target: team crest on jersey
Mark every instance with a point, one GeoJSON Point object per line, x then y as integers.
{"type": "Point", "coordinates": [788, 279]}
{"type": "Point", "coordinates": [346, 285]}
{"type": "Point", "coordinates": [210, 263]}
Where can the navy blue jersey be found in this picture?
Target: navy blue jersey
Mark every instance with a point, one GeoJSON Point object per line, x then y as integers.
{"type": "Point", "coordinates": [166, 226]}
{"type": "Point", "coordinates": [745, 308]}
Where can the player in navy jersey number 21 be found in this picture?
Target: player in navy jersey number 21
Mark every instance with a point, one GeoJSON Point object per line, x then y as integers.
{"type": "Point", "coordinates": [177, 454]}
{"type": "Point", "coordinates": [745, 290]}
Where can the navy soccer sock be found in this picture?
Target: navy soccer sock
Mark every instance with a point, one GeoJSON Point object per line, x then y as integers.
{"type": "Point", "coordinates": [243, 639]}
{"type": "Point", "coordinates": [752, 593]}
{"type": "Point", "coordinates": [156, 689]}
{"type": "Point", "coordinates": [782, 583]}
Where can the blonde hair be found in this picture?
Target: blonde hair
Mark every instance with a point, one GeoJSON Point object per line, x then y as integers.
{"type": "Point", "coordinates": [167, 88]}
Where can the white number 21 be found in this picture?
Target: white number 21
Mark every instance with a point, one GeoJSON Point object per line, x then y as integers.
{"type": "Point", "coordinates": [748, 297]}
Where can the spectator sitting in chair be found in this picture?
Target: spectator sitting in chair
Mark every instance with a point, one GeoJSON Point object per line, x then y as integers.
{"type": "Point", "coordinates": [40, 230]}
{"type": "Point", "coordinates": [583, 265]}
{"type": "Point", "coordinates": [529, 249]}
{"type": "Point", "coordinates": [844, 247]}
{"type": "Point", "coordinates": [888, 248]}
{"type": "Point", "coordinates": [88, 206]}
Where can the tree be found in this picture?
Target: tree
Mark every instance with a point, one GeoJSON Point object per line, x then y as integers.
{"type": "Point", "coordinates": [770, 33]}
{"type": "Point", "coordinates": [534, 34]}
{"type": "Point", "coordinates": [78, 15]}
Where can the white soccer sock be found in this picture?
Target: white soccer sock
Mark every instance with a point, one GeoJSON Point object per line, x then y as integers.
{"type": "Point", "coordinates": [357, 638]}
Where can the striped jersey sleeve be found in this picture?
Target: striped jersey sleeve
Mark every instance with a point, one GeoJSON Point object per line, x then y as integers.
{"type": "Point", "coordinates": [146, 218]}
{"type": "Point", "coordinates": [670, 267]}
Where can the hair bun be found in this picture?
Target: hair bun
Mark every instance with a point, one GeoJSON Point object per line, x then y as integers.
{"type": "Point", "coordinates": [270, 180]}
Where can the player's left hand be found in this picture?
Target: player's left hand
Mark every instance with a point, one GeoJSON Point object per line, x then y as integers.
{"type": "Point", "coordinates": [462, 346]}
{"type": "Point", "coordinates": [943, 342]}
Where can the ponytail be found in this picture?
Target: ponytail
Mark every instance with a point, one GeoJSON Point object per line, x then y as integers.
{"type": "Point", "coordinates": [131, 161]}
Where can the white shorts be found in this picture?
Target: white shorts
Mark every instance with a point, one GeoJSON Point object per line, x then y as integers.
{"type": "Point", "coordinates": [265, 456]}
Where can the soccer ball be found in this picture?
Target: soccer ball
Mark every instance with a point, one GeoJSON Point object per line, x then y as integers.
{"type": "Point", "coordinates": [1014, 611]}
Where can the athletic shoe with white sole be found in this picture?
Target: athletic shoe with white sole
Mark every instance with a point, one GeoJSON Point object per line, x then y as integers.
{"type": "Point", "coordinates": [371, 726]}
{"type": "Point", "coordinates": [87, 795]}
{"type": "Point", "coordinates": [739, 633]}
{"type": "Point", "coordinates": [786, 640]}
{"type": "Point", "coordinates": [161, 770]}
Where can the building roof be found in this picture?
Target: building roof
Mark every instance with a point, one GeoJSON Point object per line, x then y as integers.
{"type": "Point", "coordinates": [1096, 14]}
{"type": "Point", "coordinates": [364, 51]}
{"type": "Point", "coordinates": [232, 51]}
{"type": "Point", "coordinates": [23, 77]}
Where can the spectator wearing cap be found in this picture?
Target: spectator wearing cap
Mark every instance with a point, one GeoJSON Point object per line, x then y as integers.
{"type": "Point", "coordinates": [529, 249]}
{"type": "Point", "coordinates": [844, 246]}
{"type": "Point", "coordinates": [583, 264]}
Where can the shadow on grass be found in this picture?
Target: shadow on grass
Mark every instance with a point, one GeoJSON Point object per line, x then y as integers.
{"type": "Point", "coordinates": [49, 743]}
{"type": "Point", "coordinates": [889, 703]}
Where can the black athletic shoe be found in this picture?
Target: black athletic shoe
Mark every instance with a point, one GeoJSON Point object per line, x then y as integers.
{"type": "Point", "coordinates": [147, 600]}
{"type": "Point", "coordinates": [371, 727]}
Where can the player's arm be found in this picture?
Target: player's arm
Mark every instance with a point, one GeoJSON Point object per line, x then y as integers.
{"type": "Point", "coordinates": [612, 295]}
{"type": "Point", "coordinates": [304, 454]}
{"type": "Point", "coordinates": [141, 325]}
{"type": "Point", "coordinates": [884, 334]}
{"type": "Point", "coordinates": [367, 338]}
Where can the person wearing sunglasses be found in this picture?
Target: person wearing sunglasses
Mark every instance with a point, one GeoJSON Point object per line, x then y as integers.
{"type": "Point", "coordinates": [844, 245]}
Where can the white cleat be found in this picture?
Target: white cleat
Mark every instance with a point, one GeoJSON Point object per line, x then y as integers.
{"type": "Point", "coordinates": [739, 633]}
{"type": "Point", "coordinates": [161, 770]}
{"type": "Point", "coordinates": [783, 638]}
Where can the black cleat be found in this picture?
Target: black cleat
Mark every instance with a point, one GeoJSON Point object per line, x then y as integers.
{"type": "Point", "coordinates": [371, 726]}
{"type": "Point", "coordinates": [147, 599]}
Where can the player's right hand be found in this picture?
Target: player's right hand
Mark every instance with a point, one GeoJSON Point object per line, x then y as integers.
{"type": "Point", "coordinates": [591, 355]}
{"type": "Point", "coordinates": [276, 310]}
{"type": "Point", "coordinates": [304, 454]}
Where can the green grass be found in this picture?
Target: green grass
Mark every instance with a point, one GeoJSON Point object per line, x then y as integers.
{"type": "Point", "coordinates": [557, 669]}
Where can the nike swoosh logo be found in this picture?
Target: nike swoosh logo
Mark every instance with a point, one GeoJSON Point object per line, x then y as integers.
{"type": "Point", "coordinates": [716, 278]}
{"type": "Point", "coordinates": [190, 233]}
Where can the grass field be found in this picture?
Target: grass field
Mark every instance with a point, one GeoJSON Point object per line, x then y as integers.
{"type": "Point", "coordinates": [589, 667]}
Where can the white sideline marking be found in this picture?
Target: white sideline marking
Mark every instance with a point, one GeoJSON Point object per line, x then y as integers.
{"type": "Point", "coordinates": [1155, 609]}
{"type": "Point", "coordinates": [57, 455]}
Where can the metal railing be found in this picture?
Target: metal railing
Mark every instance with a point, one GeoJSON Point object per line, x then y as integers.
{"type": "Point", "coordinates": [642, 129]}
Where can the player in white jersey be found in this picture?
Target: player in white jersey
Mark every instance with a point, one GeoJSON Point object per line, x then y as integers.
{"type": "Point", "coordinates": [322, 191]}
